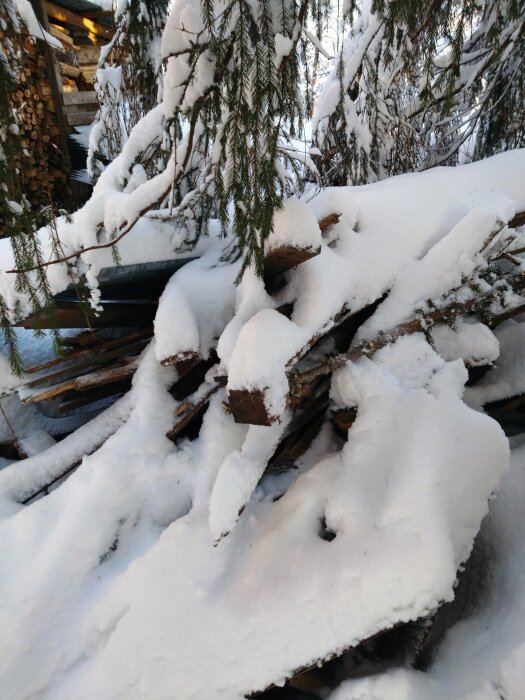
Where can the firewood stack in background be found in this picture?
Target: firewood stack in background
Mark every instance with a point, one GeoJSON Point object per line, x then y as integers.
{"type": "Point", "coordinates": [55, 95]}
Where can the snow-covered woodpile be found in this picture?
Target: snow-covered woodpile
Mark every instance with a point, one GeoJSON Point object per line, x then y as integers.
{"type": "Point", "coordinates": [301, 467]}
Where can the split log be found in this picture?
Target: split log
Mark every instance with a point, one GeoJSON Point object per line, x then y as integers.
{"type": "Point", "coordinates": [69, 71]}
{"type": "Point", "coordinates": [62, 15]}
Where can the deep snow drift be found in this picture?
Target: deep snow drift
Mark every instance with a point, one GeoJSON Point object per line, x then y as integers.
{"type": "Point", "coordinates": [140, 577]}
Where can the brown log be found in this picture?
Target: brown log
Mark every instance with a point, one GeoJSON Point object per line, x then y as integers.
{"type": "Point", "coordinates": [517, 220]}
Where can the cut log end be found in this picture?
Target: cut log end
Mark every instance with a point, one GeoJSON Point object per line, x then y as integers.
{"type": "Point", "coordinates": [184, 361]}
{"type": "Point", "coordinates": [248, 407]}
{"type": "Point", "coordinates": [344, 418]}
{"type": "Point", "coordinates": [327, 221]}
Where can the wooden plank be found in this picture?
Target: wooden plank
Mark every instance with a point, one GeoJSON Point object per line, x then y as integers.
{"type": "Point", "coordinates": [103, 377]}
{"type": "Point", "coordinates": [81, 118]}
{"type": "Point", "coordinates": [102, 346]}
{"type": "Point", "coordinates": [98, 359]}
{"type": "Point", "coordinates": [81, 98]}
{"type": "Point", "coordinates": [114, 314]}
{"type": "Point", "coordinates": [61, 14]}
{"type": "Point", "coordinates": [87, 397]}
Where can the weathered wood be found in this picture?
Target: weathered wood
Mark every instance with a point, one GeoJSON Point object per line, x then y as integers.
{"type": "Point", "coordinates": [68, 70]}
{"type": "Point", "coordinates": [517, 220]}
{"type": "Point", "coordinates": [186, 360]}
{"type": "Point", "coordinates": [91, 360]}
{"type": "Point", "coordinates": [62, 36]}
{"type": "Point", "coordinates": [81, 98]}
{"type": "Point", "coordinates": [113, 315]}
{"type": "Point", "coordinates": [189, 411]}
{"type": "Point", "coordinates": [86, 382]}
{"type": "Point", "coordinates": [248, 407]}
{"type": "Point", "coordinates": [286, 258]}
{"type": "Point", "coordinates": [101, 346]}
{"type": "Point", "coordinates": [89, 397]}
{"type": "Point", "coordinates": [80, 118]}
{"type": "Point", "coordinates": [88, 55]}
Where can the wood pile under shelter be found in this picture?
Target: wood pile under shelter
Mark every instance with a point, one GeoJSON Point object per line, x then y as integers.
{"type": "Point", "coordinates": [56, 95]}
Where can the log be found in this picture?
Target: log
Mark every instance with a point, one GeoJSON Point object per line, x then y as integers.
{"type": "Point", "coordinates": [286, 258]}
{"type": "Point", "coordinates": [328, 221]}
{"type": "Point", "coordinates": [69, 71]}
{"type": "Point", "coordinates": [517, 220]}
{"type": "Point", "coordinates": [344, 418]}
{"type": "Point", "coordinates": [248, 407]}
{"type": "Point", "coordinates": [88, 55]}
{"type": "Point", "coordinates": [62, 15]}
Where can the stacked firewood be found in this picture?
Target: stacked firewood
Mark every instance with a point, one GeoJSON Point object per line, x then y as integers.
{"type": "Point", "coordinates": [44, 177]}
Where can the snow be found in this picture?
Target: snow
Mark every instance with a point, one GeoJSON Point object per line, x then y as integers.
{"type": "Point", "coordinates": [507, 378]}
{"type": "Point", "coordinates": [470, 340]}
{"type": "Point", "coordinates": [294, 225]}
{"type": "Point", "coordinates": [482, 657]}
{"type": "Point", "coordinates": [153, 556]}
{"type": "Point", "coordinates": [123, 624]}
